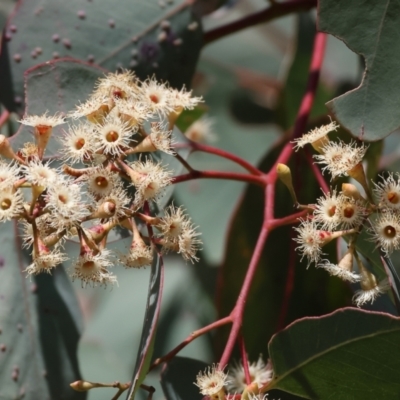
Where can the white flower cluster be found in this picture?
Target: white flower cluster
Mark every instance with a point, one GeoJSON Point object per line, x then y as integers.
{"type": "Point", "coordinates": [103, 190]}
{"type": "Point", "coordinates": [215, 383]}
{"type": "Point", "coordinates": [347, 212]}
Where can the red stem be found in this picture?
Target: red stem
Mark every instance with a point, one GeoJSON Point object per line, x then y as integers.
{"type": "Point", "coordinates": [237, 313]}
{"type": "Point", "coordinates": [258, 180]}
{"type": "Point", "coordinates": [290, 219]}
{"type": "Point", "coordinates": [276, 10]}
{"type": "Point", "coordinates": [270, 179]}
{"type": "Point", "coordinates": [245, 361]}
{"type": "Point", "coordinates": [317, 173]}
{"type": "Point", "coordinates": [4, 117]}
{"type": "Point", "coordinates": [225, 154]}
{"type": "Point", "coordinates": [287, 294]}
{"type": "Point", "coordinates": [190, 338]}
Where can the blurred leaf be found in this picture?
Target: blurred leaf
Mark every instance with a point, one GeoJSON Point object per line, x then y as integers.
{"type": "Point", "coordinates": [349, 354]}
{"type": "Point", "coordinates": [373, 158]}
{"type": "Point", "coordinates": [145, 350]}
{"type": "Point", "coordinates": [247, 110]}
{"type": "Point", "coordinates": [178, 376]}
{"type": "Point", "coordinates": [189, 116]}
{"type": "Point", "coordinates": [370, 112]}
{"type": "Point", "coordinates": [126, 36]}
{"type": "Point", "coordinates": [296, 80]}
{"type": "Point", "coordinates": [319, 293]}
{"type": "Point", "coordinates": [40, 328]}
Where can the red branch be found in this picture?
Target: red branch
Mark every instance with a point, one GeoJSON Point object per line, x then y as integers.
{"type": "Point", "coordinates": [268, 181]}
{"type": "Point", "coordinates": [276, 10]}
{"type": "Point", "coordinates": [269, 222]}
{"type": "Point", "coordinates": [221, 153]}
{"type": "Point", "coordinates": [4, 117]}
{"type": "Point", "coordinates": [245, 362]}
{"type": "Point", "coordinates": [233, 176]}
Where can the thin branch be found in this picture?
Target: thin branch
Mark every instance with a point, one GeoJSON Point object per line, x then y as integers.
{"type": "Point", "coordinates": [238, 311]}
{"type": "Point", "coordinates": [258, 180]}
{"type": "Point", "coordinates": [276, 10]}
{"type": "Point", "coordinates": [224, 154]}
{"type": "Point", "coordinates": [190, 338]}
{"type": "Point", "coordinates": [245, 361]}
{"type": "Point", "coordinates": [4, 117]}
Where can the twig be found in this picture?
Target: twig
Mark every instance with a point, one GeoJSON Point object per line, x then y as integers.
{"type": "Point", "coordinates": [258, 180]}
{"type": "Point", "coordinates": [276, 10]}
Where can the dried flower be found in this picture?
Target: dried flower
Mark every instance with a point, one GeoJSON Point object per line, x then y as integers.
{"type": "Point", "coordinates": [101, 181]}
{"type": "Point", "coordinates": [344, 269]}
{"type": "Point", "coordinates": [8, 174]}
{"type": "Point", "coordinates": [201, 130]}
{"type": "Point", "coordinates": [212, 381]}
{"type": "Point", "coordinates": [44, 260]}
{"type": "Point", "coordinates": [11, 203]}
{"type": "Point", "coordinates": [95, 110]}
{"type": "Point", "coordinates": [113, 137]}
{"type": "Point", "coordinates": [350, 212]}
{"type": "Point", "coordinates": [259, 374]}
{"type": "Point", "coordinates": [370, 289]}
{"type": "Point", "coordinates": [386, 231]}
{"type": "Point", "coordinates": [78, 143]}
{"type": "Point", "coordinates": [326, 211]}
{"type": "Point", "coordinates": [388, 192]}
{"type": "Point", "coordinates": [149, 179]}
{"type": "Point", "coordinates": [90, 268]}
{"type": "Point", "coordinates": [156, 96]}
{"type": "Point", "coordinates": [340, 157]}
{"type": "Point", "coordinates": [43, 125]}
{"type": "Point", "coordinates": [316, 137]}
{"type": "Point", "coordinates": [41, 174]}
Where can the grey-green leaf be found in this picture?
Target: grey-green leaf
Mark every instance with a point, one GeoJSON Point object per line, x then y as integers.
{"type": "Point", "coordinates": [40, 326]}
{"type": "Point", "coordinates": [370, 29]}
{"type": "Point", "coordinates": [349, 354]}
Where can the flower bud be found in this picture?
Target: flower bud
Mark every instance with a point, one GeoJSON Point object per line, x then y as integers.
{"type": "Point", "coordinates": [350, 190]}
{"type": "Point", "coordinates": [82, 386]}
{"type": "Point", "coordinates": [285, 176]}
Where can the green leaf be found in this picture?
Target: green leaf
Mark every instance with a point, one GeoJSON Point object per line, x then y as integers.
{"type": "Point", "coordinates": [145, 350]}
{"type": "Point", "coordinates": [128, 35]}
{"type": "Point", "coordinates": [349, 354]}
{"type": "Point", "coordinates": [178, 376]}
{"type": "Point", "coordinates": [40, 328]}
{"type": "Point", "coordinates": [369, 112]}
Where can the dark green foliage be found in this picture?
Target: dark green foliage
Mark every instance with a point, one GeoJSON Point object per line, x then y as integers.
{"type": "Point", "coordinates": [178, 376]}
{"type": "Point", "coordinates": [350, 354]}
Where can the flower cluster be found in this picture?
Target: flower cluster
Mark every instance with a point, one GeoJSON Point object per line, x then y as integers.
{"type": "Point", "coordinates": [346, 212]}
{"type": "Point", "coordinates": [215, 383]}
{"type": "Point", "coordinates": [109, 179]}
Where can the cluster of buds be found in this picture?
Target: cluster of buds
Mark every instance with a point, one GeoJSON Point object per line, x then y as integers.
{"type": "Point", "coordinates": [218, 385]}
{"type": "Point", "coordinates": [348, 211]}
{"type": "Point", "coordinates": [111, 185]}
